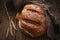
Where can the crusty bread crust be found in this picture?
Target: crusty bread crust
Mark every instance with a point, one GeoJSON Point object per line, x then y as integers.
{"type": "Point", "coordinates": [33, 21]}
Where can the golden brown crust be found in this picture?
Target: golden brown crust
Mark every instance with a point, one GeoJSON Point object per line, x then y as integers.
{"type": "Point", "coordinates": [33, 20]}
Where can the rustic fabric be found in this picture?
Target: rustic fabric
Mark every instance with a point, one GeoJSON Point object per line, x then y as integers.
{"type": "Point", "coordinates": [4, 24]}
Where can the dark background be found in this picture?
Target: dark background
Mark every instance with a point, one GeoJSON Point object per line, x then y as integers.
{"type": "Point", "coordinates": [13, 7]}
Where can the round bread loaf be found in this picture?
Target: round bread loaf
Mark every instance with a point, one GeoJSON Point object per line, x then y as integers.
{"type": "Point", "coordinates": [32, 20]}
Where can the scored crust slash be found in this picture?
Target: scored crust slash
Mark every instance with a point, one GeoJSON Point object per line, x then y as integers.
{"type": "Point", "coordinates": [32, 20]}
